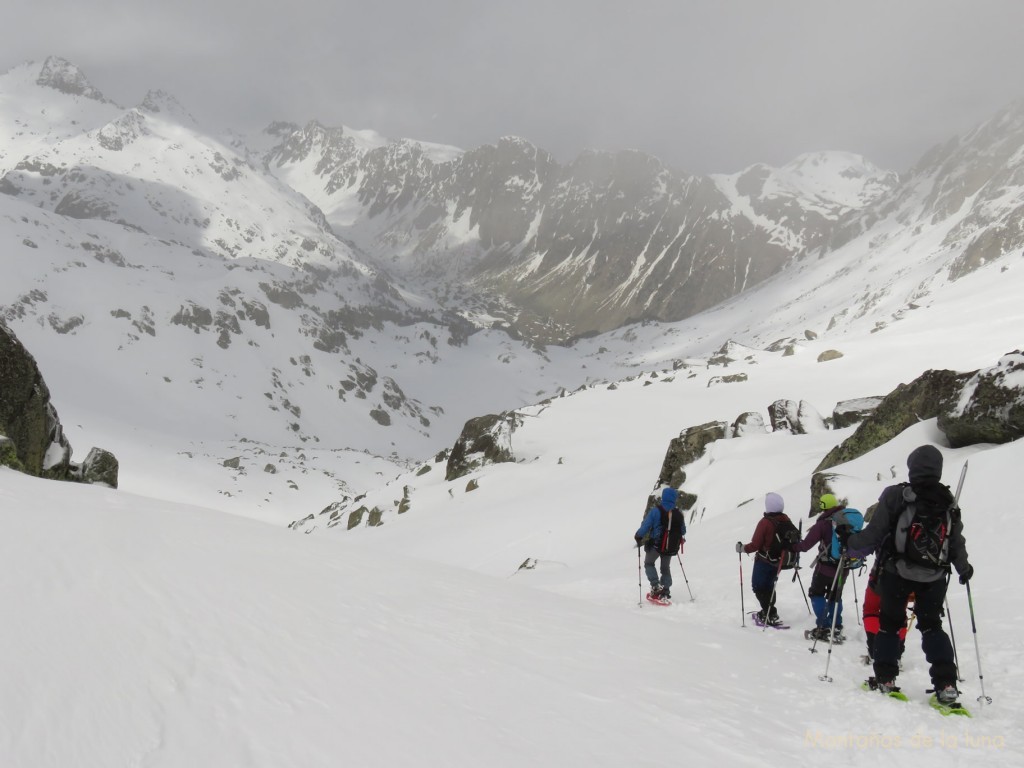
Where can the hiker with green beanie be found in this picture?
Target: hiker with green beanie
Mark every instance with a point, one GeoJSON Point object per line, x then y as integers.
{"type": "Point", "coordinates": [823, 578]}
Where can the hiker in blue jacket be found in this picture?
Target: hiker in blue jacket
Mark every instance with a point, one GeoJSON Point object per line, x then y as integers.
{"type": "Point", "coordinates": [660, 519]}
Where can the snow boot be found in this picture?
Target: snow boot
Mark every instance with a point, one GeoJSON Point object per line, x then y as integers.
{"type": "Point", "coordinates": [947, 694]}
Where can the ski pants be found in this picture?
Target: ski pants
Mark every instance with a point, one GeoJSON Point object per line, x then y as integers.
{"type": "Point", "coordinates": [762, 582]}
{"type": "Point", "coordinates": [928, 599]}
{"type": "Point", "coordinates": [820, 593]}
{"type": "Point", "coordinates": [872, 607]}
{"type": "Point", "coordinates": [652, 557]}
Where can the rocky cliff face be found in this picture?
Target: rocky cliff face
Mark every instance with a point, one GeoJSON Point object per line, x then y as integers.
{"type": "Point", "coordinates": [590, 246]}
{"type": "Point", "coordinates": [35, 441]}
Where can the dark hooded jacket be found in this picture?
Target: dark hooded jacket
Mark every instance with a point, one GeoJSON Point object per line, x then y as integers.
{"type": "Point", "coordinates": [924, 467]}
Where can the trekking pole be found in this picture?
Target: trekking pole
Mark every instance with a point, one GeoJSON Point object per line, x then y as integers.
{"type": "Point", "coordinates": [983, 699]}
{"type": "Point", "coordinates": [684, 577]}
{"type": "Point", "coordinates": [743, 611]}
{"type": "Point", "coordinates": [856, 602]}
{"type": "Point", "coordinates": [639, 580]}
{"type": "Point", "coordinates": [835, 615]}
{"type": "Point", "coordinates": [775, 586]}
{"type": "Point", "coordinates": [952, 637]}
{"type": "Point", "coordinates": [796, 575]}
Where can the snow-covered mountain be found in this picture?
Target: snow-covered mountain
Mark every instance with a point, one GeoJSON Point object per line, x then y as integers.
{"type": "Point", "coordinates": [168, 265]}
{"type": "Point", "coordinates": [609, 238]}
{"type": "Point", "coordinates": [305, 314]}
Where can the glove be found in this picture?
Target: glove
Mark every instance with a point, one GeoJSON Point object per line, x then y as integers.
{"type": "Point", "coordinates": [967, 574]}
{"type": "Point", "coordinates": [739, 546]}
{"type": "Point", "coordinates": [639, 541]}
{"type": "Point", "coordinates": [843, 533]}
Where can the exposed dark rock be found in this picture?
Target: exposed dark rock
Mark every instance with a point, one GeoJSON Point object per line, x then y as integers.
{"type": "Point", "coordinates": [100, 467]}
{"type": "Point", "coordinates": [829, 354]}
{"type": "Point", "coordinates": [687, 448]}
{"type": "Point", "coordinates": [809, 420]}
{"type": "Point", "coordinates": [991, 406]}
{"type": "Point", "coordinates": [749, 423]}
{"type": "Point", "coordinates": [484, 440]}
{"type": "Point", "coordinates": [821, 483]}
{"type": "Point", "coordinates": [797, 418]}
{"type": "Point", "coordinates": [850, 412]}
{"type": "Point", "coordinates": [9, 455]}
{"type": "Point", "coordinates": [931, 394]}
{"type": "Point", "coordinates": [193, 316]}
{"type": "Point", "coordinates": [355, 517]}
{"type": "Point", "coordinates": [732, 378]}
{"type": "Point", "coordinates": [381, 416]}
{"type": "Point", "coordinates": [406, 503]}
{"type": "Point", "coordinates": [26, 415]}
{"type": "Point", "coordinates": [783, 415]}
{"type": "Point", "coordinates": [31, 436]}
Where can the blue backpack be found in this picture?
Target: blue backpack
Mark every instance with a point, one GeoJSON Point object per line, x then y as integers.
{"type": "Point", "coordinates": [855, 519]}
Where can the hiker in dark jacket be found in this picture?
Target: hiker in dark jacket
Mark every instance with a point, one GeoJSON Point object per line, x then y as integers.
{"type": "Point", "coordinates": [651, 536]}
{"type": "Point", "coordinates": [824, 574]}
{"type": "Point", "coordinates": [901, 574]}
{"type": "Point", "coordinates": [766, 571]}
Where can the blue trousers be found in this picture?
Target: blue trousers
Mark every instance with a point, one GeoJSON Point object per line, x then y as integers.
{"type": "Point", "coordinates": [652, 557]}
{"type": "Point", "coordinates": [821, 598]}
{"type": "Point", "coordinates": [762, 582]}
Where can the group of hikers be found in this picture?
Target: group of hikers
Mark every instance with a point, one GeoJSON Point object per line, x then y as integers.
{"type": "Point", "coordinates": [915, 533]}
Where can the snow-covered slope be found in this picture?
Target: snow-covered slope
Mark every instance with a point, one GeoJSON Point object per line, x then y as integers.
{"type": "Point", "coordinates": [241, 644]}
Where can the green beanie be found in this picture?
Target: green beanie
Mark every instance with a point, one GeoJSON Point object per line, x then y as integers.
{"type": "Point", "coordinates": [828, 501]}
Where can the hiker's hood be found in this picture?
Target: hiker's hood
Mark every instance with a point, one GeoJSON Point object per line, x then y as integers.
{"type": "Point", "coordinates": [924, 463]}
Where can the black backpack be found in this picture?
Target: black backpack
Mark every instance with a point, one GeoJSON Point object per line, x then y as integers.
{"type": "Point", "coordinates": [673, 528]}
{"type": "Point", "coordinates": [784, 536]}
{"type": "Point", "coordinates": [923, 527]}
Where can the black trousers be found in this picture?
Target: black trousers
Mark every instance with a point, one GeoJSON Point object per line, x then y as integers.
{"type": "Point", "coordinates": [928, 599]}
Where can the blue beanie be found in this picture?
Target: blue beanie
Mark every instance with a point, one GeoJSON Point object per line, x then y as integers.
{"type": "Point", "coordinates": [669, 496]}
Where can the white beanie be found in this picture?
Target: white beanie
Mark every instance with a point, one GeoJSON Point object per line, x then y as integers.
{"type": "Point", "coordinates": [773, 503]}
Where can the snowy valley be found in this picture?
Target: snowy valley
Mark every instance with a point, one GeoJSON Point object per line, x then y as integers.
{"type": "Point", "coordinates": [266, 333]}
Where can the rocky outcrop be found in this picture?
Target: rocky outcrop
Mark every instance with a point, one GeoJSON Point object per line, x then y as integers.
{"type": "Point", "coordinates": [687, 448]}
{"type": "Point", "coordinates": [484, 440]}
{"type": "Point", "coordinates": [31, 436]}
{"type": "Point", "coordinates": [797, 418]}
{"type": "Point", "coordinates": [850, 412]}
{"type": "Point", "coordinates": [990, 408]}
{"type": "Point", "coordinates": [985, 406]}
{"type": "Point", "coordinates": [928, 396]}
{"type": "Point", "coordinates": [100, 468]}
{"type": "Point", "coordinates": [26, 415]}
{"type": "Point", "coordinates": [749, 423]}
{"type": "Point", "coordinates": [60, 74]}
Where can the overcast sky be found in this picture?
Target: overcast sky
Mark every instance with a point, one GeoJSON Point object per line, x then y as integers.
{"type": "Point", "coordinates": [705, 85]}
